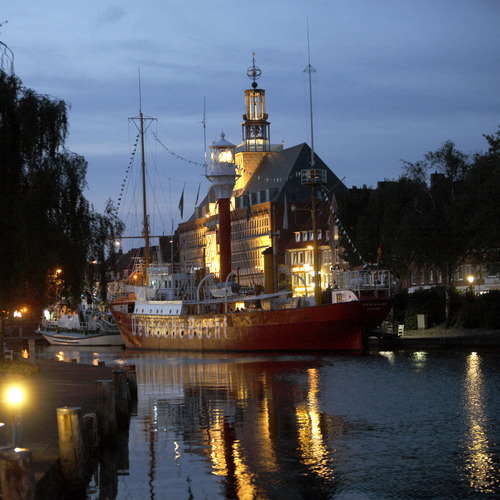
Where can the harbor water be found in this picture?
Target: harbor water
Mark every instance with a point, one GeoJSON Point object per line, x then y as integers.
{"type": "Point", "coordinates": [381, 425]}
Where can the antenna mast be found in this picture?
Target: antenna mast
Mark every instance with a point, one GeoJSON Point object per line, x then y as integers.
{"type": "Point", "coordinates": [309, 69]}
{"type": "Point", "coordinates": [204, 134]}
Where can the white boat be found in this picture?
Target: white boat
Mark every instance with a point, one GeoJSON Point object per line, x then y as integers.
{"type": "Point", "coordinates": [87, 327]}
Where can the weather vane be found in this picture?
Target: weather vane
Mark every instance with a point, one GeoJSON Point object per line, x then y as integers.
{"type": "Point", "coordinates": [254, 73]}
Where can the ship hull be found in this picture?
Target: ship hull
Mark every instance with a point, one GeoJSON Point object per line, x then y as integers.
{"type": "Point", "coordinates": [78, 338]}
{"type": "Point", "coordinates": [330, 327]}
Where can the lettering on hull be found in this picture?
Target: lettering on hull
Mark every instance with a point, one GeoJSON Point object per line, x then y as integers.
{"type": "Point", "coordinates": [177, 327]}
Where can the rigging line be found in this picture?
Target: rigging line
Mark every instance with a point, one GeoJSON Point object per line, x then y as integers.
{"type": "Point", "coordinates": [127, 175]}
{"type": "Point", "coordinates": [195, 155]}
{"type": "Point", "coordinates": [175, 154]}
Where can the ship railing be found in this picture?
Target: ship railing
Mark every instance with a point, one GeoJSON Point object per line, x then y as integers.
{"type": "Point", "coordinates": [120, 290]}
{"type": "Point", "coordinates": [363, 281]}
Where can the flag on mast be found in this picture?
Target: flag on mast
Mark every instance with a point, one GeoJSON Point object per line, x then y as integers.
{"type": "Point", "coordinates": [181, 203]}
{"type": "Point", "coordinates": [379, 253]}
{"type": "Point", "coordinates": [197, 195]}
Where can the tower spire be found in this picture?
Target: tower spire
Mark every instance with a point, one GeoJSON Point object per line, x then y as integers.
{"type": "Point", "coordinates": [255, 127]}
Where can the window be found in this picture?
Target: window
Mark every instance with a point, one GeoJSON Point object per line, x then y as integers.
{"type": "Point", "coordinates": [413, 278]}
{"type": "Point", "coordinates": [297, 236]}
{"type": "Point", "coordinates": [294, 258]}
{"type": "Point", "coordinates": [301, 257]}
{"type": "Point", "coordinates": [327, 256]}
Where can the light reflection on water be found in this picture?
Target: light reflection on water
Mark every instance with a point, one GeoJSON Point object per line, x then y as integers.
{"type": "Point", "coordinates": [478, 466]}
{"type": "Point", "coordinates": [383, 425]}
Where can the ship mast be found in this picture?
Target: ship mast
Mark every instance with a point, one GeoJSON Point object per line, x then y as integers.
{"type": "Point", "coordinates": [139, 123]}
{"type": "Point", "coordinates": [313, 177]}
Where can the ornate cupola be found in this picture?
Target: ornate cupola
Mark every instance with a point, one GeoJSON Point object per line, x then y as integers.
{"type": "Point", "coordinates": [255, 127]}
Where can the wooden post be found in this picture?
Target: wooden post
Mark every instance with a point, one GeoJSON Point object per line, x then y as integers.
{"type": "Point", "coordinates": [71, 448]}
{"type": "Point", "coordinates": [16, 474]}
{"type": "Point", "coordinates": [121, 397]}
{"type": "Point", "coordinates": [31, 350]}
{"type": "Point", "coordinates": [106, 414]}
{"type": "Point", "coordinates": [132, 382]}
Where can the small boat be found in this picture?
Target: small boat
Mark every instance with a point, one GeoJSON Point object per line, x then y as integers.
{"type": "Point", "coordinates": [87, 327]}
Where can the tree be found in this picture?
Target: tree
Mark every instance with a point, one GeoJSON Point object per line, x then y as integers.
{"type": "Point", "coordinates": [395, 214]}
{"type": "Point", "coordinates": [482, 202]}
{"type": "Point", "coordinates": [106, 228]}
{"type": "Point", "coordinates": [443, 210]}
{"type": "Point", "coordinates": [47, 223]}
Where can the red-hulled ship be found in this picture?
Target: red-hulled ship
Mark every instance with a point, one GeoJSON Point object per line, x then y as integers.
{"type": "Point", "coordinates": [252, 323]}
{"type": "Point", "coordinates": [192, 311]}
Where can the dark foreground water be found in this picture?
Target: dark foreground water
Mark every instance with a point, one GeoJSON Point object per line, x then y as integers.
{"type": "Point", "coordinates": [378, 426]}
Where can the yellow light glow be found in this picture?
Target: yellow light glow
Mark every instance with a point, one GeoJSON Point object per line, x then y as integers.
{"type": "Point", "coordinates": [225, 156]}
{"type": "Point", "coordinates": [15, 395]}
{"type": "Point", "coordinates": [470, 279]}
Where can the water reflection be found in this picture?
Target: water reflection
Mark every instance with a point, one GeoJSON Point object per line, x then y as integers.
{"type": "Point", "coordinates": [390, 425]}
{"type": "Point", "coordinates": [247, 423]}
{"type": "Point", "coordinates": [479, 465]}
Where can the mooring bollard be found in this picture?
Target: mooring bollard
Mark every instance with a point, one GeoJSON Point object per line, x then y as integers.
{"type": "Point", "coordinates": [132, 382]}
{"type": "Point", "coordinates": [71, 448]}
{"type": "Point", "coordinates": [31, 350]}
{"type": "Point", "coordinates": [16, 474]}
{"type": "Point", "coordinates": [121, 397]}
{"type": "Point", "coordinates": [106, 414]}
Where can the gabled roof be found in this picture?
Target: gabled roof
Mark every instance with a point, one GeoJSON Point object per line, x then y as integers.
{"type": "Point", "coordinates": [282, 169]}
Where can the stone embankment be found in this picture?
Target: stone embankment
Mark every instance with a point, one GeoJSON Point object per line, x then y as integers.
{"type": "Point", "coordinates": [444, 337]}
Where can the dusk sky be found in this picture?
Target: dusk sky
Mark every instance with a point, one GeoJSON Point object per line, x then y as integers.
{"type": "Point", "coordinates": [394, 79]}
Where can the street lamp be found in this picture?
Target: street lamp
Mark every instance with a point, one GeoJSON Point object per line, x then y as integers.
{"type": "Point", "coordinates": [15, 397]}
{"type": "Point", "coordinates": [470, 279]}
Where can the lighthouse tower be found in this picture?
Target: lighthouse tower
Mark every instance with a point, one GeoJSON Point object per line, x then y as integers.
{"type": "Point", "coordinates": [255, 127]}
{"type": "Point", "coordinates": [222, 174]}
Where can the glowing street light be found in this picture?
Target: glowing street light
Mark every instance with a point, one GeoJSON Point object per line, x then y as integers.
{"type": "Point", "coordinates": [15, 398]}
{"type": "Point", "coordinates": [470, 279]}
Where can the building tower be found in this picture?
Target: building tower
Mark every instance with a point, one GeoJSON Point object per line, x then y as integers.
{"type": "Point", "coordinates": [222, 174]}
{"type": "Point", "coordinates": [255, 128]}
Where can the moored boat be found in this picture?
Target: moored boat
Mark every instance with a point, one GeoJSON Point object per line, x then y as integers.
{"type": "Point", "coordinates": [87, 327]}
{"type": "Point", "coordinates": [154, 318]}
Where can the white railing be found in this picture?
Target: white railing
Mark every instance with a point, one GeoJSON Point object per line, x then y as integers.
{"type": "Point", "coordinates": [359, 281]}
